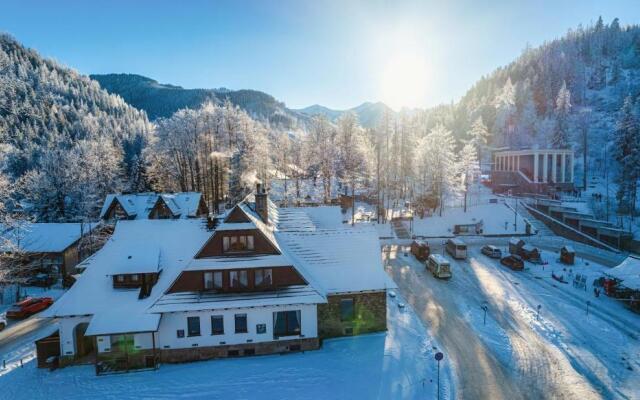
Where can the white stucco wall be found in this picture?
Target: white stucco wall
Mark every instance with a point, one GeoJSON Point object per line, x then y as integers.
{"type": "Point", "coordinates": [67, 337]}
{"type": "Point", "coordinates": [171, 322]}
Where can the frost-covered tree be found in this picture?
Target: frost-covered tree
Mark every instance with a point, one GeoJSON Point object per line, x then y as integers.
{"type": "Point", "coordinates": [468, 164]}
{"type": "Point", "coordinates": [560, 139]}
{"type": "Point", "coordinates": [320, 149]}
{"type": "Point", "coordinates": [627, 153]}
{"type": "Point", "coordinates": [478, 136]}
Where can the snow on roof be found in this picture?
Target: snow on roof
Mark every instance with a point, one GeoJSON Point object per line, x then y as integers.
{"type": "Point", "coordinates": [122, 321]}
{"type": "Point", "coordinates": [134, 261]}
{"type": "Point", "coordinates": [628, 272]}
{"type": "Point", "coordinates": [568, 248]}
{"type": "Point", "coordinates": [515, 241]}
{"type": "Point", "coordinates": [528, 247]}
{"type": "Point", "coordinates": [45, 237]}
{"type": "Point", "coordinates": [295, 219]}
{"type": "Point", "coordinates": [439, 258]}
{"type": "Point", "coordinates": [339, 261]}
{"type": "Point", "coordinates": [192, 301]}
{"type": "Point", "coordinates": [457, 242]}
{"type": "Point", "coordinates": [249, 261]}
{"type": "Point", "coordinates": [139, 205]}
{"type": "Point", "coordinates": [176, 240]}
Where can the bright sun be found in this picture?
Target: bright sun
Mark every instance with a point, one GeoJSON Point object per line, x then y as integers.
{"type": "Point", "coordinates": [403, 77]}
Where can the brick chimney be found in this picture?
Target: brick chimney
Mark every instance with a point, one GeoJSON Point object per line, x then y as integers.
{"type": "Point", "coordinates": [262, 205]}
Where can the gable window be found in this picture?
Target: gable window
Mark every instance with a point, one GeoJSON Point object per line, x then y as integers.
{"type": "Point", "coordinates": [263, 277]}
{"type": "Point", "coordinates": [193, 326]}
{"type": "Point", "coordinates": [237, 243]}
{"type": "Point", "coordinates": [286, 323]}
{"type": "Point", "coordinates": [347, 311]}
{"type": "Point", "coordinates": [217, 325]}
{"type": "Point", "coordinates": [238, 279]}
{"type": "Point", "coordinates": [241, 323]}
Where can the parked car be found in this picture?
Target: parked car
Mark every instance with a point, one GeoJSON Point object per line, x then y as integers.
{"type": "Point", "coordinates": [420, 249]}
{"type": "Point", "coordinates": [28, 307]}
{"type": "Point", "coordinates": [457, 248]}
{"type": "Point", "coordinates": [3, 322]}
{"type": "Point", "coordinates": [41, 280]}
{"type": "Point", "coordinates": [512, 261]}
{"type": "Point", "coordinates": [491, 251]}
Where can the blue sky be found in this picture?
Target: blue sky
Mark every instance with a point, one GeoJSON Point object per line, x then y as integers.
{"type": "Point", "coordinates": [335, 53]}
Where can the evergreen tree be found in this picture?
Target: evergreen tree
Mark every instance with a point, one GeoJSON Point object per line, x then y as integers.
{"type": "Point", "coordinates": [627, 152]}
{"type": "Point", "coordinates": [560, 139]}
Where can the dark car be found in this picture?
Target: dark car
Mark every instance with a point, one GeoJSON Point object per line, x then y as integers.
{"type": "Point", "coordinates": [41, 280]}
{"type": "Point", "coordinates": [491, 251]}
{"type": "Point", "coordinates": [512, 261]}
{"type": "Point", "coordinates": [28, 307]}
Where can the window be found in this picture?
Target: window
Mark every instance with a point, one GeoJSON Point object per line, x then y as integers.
{"type": "Point", "coordinates": [180, 333]}
{"type": "Point", "coordinates": [208, 280]}
{"type": "Point", "coordinates": [346, 310]}
{"type": "Point", "coordinates": [261, 329]}
{"type": "Point", "coordinates": [134, 278]}
{"type": "Point", "coordinates": [120, 278]}
{"type": "Point", "coordinates": [239, 279]}
{"type": "Point", "coordinates": [241, 323]}
{"type": "Point", "coordinates": [263, 277]}
{"type": "Point", "coordinates": [286, 323]}
{"type": "Point", "coordinates": [217, 325]}
{"type": "Point", "coordinates": [193, 326]}
{"type": "Point", "coordinates": [217, 280]}
{"type": "Point", "coordinates": [237, 243]}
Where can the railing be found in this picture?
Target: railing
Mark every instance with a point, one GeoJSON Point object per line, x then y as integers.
{"type": "Point", "coordinates": [123, 363]}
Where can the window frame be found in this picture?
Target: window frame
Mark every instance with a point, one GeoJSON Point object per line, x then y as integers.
{"type": "Point", "coordinates": [220, 318]}
{"type": "Point", "coordinates": [189, 332]}
{"type": "Point", "coordinates": [344, 318]}
{"type": "Point", "coordinates": [205, 276]}
{"type": "Point", "coordinates": [236, 318]}
{"type": "Point", "coordinates": [287, 316]}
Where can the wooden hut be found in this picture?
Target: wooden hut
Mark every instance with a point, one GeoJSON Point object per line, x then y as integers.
{"type": "Point", "coordinates": [515, 245]}
{"type": "Point", "coordinates": [567, 255]}
{"type": "Point", "coordinates": [530, 253]}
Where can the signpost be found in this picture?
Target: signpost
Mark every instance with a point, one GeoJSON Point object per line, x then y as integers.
{"type": "Point", "coordinates": [485, 308]}
{"type": "Point", "coordinates": [439, 356]}
{"type": "Point", "coordinates": [538, 315]}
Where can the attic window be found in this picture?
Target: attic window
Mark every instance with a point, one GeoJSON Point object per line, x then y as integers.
{"type": "Point", "coordinates": [237, 243]}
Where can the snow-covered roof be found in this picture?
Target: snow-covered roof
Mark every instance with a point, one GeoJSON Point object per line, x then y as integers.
{"type": "Point", "coordinates": [515, 241]}
{"type": "Point", "coordinates": [296, 219]}
{"type": "Point", "coordinates": [191, 301]}
{"type": "Point", "coordinates": [568, 248]}
{"type": "Point", "coordinates": [93, 294]}
{"type": "Point", "coordinates": [338, 260]}
{"type": "Point", "coordinates": [139, 205]}
{"type": "Point", "coordinates": [628, 272]}
{"type": "Point", "coordinates": [248, 261]}
{"type": "Point", "coordinates": [439, 258]}
{"type": "Point", "coordinates": [44, 237]}
{"type": "Point", "coordinates": [122, 321]}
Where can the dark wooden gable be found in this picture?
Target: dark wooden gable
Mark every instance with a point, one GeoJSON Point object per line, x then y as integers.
{"type": "Point", "coordinates": [203, 210]}
{"type": "Point", "coordinates": [214, 246]}
{"type": "Point", "coordinates": [116, 211]}
{"type": "Point", "coordinates": [236, 215]}
{"type": "Point", "coordinates": [160, 210]}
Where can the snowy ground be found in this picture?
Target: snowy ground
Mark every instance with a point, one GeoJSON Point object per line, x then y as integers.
{"type": "Point", "coordinates": [398, 364]}
{"type": "Point", "coordinates": [563, 354]}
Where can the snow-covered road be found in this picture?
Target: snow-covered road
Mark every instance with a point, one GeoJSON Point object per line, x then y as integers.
{"type": "Point", "coordinates": [564, 354]}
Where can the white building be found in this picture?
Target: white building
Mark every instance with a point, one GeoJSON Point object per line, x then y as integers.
{"type": "Point", "coordinates": [172, 290]}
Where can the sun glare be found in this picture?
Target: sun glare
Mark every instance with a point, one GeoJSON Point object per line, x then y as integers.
{"type": "Point", "coordinates": [403, 77]}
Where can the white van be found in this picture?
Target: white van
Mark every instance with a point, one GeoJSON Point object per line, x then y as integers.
{"type": "Point", "coordinates": [457, 248]}
{"type": "Point", "coordinates": [439, 266]}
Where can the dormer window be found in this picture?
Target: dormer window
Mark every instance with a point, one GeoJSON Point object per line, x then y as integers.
{"type": "Point", "coordinates": [213, 280]}
{"type": "Point", "coordinates": [263, 277]}
{"type": "Point", "coordinates": [239, 279]}
{"type": "Point", "coordinates": [237, 243]}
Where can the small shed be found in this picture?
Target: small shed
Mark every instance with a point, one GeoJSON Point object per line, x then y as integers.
{"type": "Point", "coordinates": [627, 281]}
{"type": "Point", "coordinates": [48, 350]}
{"type": "Point", "coordinates": [530, 253]}
{"type": "Point", "coordinates": [567, 255]}
{"type": "Point", "coordinates": [474, 228]}
{"type": "Point", "coordinates": [515, 245]}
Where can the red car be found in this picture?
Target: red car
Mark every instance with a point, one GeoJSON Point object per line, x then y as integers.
{"type": "Point", "coordinates": [28, 307]}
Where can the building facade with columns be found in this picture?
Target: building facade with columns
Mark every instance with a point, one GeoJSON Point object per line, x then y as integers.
{"type": "Point", "coordinates": [533, 170]}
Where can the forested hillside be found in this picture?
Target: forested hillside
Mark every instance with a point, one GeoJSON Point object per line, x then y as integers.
{"type": "Point", "coordinates": [162, 100]}
{"type": "Point", "coordinates": [64, 142]}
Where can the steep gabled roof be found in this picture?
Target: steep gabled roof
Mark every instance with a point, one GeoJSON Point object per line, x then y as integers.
{"type": "Point", "coordinates": [139, 205]}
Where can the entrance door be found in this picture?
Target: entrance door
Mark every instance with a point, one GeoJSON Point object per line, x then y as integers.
{"type": "Point", "coordinates": [84, 344]}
